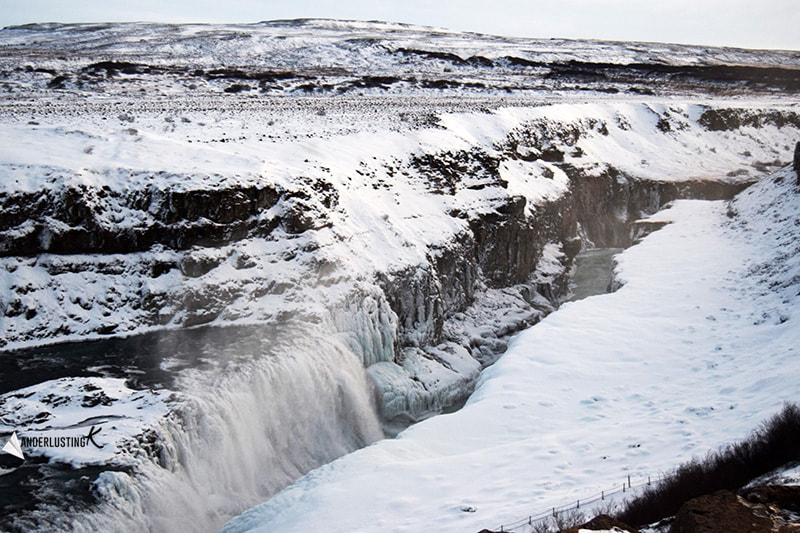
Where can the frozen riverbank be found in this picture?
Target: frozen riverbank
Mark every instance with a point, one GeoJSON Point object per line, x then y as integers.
{"type": "Point", "coordinates": [696, 348]}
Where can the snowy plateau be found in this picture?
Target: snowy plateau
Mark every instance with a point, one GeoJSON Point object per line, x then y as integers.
{"type": "Point", "coordinates": [316, 275]}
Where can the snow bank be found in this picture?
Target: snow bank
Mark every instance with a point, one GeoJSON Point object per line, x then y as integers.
{"type": "Point", "coordinates": [693, 351]}
{"type": "Point", "coordinates": [65, 410]}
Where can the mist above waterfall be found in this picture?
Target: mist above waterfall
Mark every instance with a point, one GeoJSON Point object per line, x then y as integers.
{"type": "Point", "coordinates": [286, 400]}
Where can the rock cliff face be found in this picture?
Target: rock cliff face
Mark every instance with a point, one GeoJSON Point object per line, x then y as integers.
{"type": "Point", "coordinates": [609, 204]}
{"type": "Point", "coordinates": [84, 219]}
{"type": "Point", "coordinates": [797, 161]}
{"type": "Point", "coordinates": [503, 249]}
{"type": "Point", "coordinates": [515, 210]}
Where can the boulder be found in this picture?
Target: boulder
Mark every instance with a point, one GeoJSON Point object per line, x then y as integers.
{"type": "Point", "coordinates": [720, 512]}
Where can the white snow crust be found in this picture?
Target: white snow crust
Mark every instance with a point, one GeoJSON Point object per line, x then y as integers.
{"type": "Point", "coordinates": [696, 348]}
{"type": "Point", "coordinates": [386, 219]}
{"type": "Point", "coordinates": [66, 409]}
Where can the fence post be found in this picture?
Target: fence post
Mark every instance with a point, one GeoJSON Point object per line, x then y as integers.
{"type": "Point", "coordinates": [579, 505]}
{"type": "Point", "coordinates": [629, 481]}
{"type": "Point", "coordinates": [602, 495]}
{"type": "Point", "coordinates": [530, 521]}
{"type": "Point", "coordinates": [623, 487]}
{"type": "Point", "coordinates": [554, 512]}
{"type": "Point", "coordinates": [648, 480]}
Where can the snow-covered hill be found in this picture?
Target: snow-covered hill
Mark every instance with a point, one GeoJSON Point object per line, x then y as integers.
{"type": "Point", "coordinates": [340, 57]}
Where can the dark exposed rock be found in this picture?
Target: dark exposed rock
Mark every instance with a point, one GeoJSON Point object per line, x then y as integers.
{"type": "Point", "coordinates": [643, 228]}
{"type": "Point", "coordinates": [440, 84]}
{"type": "Point", "coordinates": [111, 68]}
{"type": "Point", "coordinates": [161, 267]}
{"type": "Point", "coordinates": [444, 172]}
{"type": "Point", "coordinates": [74, 219]}
{"type": "Point", "coordinates": [203, 306]}
{"type": "Point", "coordinates": [796, 163]}
{"type": "Point", "coordinates": [241, 74]}
{"type": "Point", "coordinates": [195, 266]}
{"type": "Point", "coordinates": [428, 54]}
{"type": "Point", "coordinates": [608, 205]}
{"type": "Point", "coordinates": [709, 76]}
{"type": "Point", "coordinates": [553, 155]}
{"type": "Point", "coordinates": [783, 496]}
{"type": "Point", "coordinates": [57, 82]}
{"type": "Point", "coordinates": [237, 88]}
{"type": "Point", "coordinates": [720, 512]}
{"type": "Point", "coordinates": [381, 82]}
{"type": "Point", "coordinates": [415, 297]}
{"type": "Point", "coordinates": [732, 119]}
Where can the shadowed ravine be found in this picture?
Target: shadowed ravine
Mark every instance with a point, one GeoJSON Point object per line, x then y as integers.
{"type": "Point", "coordinates": [594, 273]}
{"type": "Point", "coordinates": [247, 430]}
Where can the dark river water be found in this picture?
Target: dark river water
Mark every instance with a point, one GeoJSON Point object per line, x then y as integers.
{"type": "Point", "coordinates": [594, 272]}
{"type": "Point", "coordinates": [150, 360]}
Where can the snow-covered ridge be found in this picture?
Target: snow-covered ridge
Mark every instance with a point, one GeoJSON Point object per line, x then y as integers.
{"type": "Point", "coordinates": [697, 347]}
{"type": "Point", "coordinates": [194, 246]}
{"type": "Point", "coordinates": [357, 58]}
{"type": "Point", "coordinates": [320, 42]}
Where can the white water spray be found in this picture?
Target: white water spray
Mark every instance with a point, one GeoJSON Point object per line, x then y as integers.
{"type": "Point", "coordinates": [240, 435]}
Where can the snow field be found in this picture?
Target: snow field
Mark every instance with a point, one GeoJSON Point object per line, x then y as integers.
{"type": "Point", "coordinates": [692, 352]}
{"type": "Point", "coordinates": [386, 218]}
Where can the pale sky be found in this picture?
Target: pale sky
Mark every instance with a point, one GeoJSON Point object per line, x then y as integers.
{"type": "Point", "coordinates": [744, 23]}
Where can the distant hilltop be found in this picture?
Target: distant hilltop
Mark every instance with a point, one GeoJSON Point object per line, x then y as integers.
{"type": "Point", "coordinates": [332, 57]}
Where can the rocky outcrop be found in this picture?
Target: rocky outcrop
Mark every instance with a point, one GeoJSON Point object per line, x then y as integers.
{"type": "Point", "coordinates": [796, 163]}
{"type": "Point", "coordinates": [83, 219]}
{"type": "Point", "coordinates": [723, 512]}
{"type": "Point", "coordinates": [86, 219]}
{"type": "Point", "coordinates": [607, 206]}
{"type": "Point", "coordinates": [733, 119]}
{"type": "Point", "coordinates": [502, 249]}
{"type": "Point", "coordinates": [783, 496]}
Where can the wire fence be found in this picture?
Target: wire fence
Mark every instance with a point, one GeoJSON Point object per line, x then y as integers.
{"type": "Point", "coordinates": [553, 513]}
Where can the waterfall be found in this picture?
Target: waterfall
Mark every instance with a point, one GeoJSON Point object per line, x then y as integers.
{"type": "Point", "coordinates": [282, 405]}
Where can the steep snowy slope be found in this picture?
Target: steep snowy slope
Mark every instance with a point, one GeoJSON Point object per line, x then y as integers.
{"type": "Point", "coordinates": [695, 349]}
